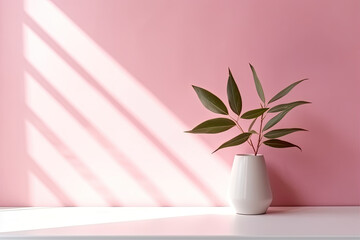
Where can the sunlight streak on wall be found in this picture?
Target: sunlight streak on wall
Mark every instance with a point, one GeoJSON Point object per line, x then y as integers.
{"type": "Point", "coordinates": [137, 100]}
{"type": "Point", "coordinates": [118, 129]}
{"type": "Point", "coordinates": [39, 188]}
{"type": "Point", "coordinates": [44, 154]}
{"type": "Point", "coordinates": [68, 176]}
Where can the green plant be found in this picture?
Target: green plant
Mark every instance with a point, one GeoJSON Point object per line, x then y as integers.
{"type": "Point", "coordinates": [217, 125]}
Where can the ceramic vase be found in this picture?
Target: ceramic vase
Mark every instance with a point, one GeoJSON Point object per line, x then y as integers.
{"type": "Point", "coordinates": [249, 190]}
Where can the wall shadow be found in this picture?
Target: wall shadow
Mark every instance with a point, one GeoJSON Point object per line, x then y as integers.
{"type": "Point", "coordinates": [151, 189]}
{"type": "Point", "coordinates": [73, 160]}
{"type": "Point", "coordinates": [325, 173]}
{"type": "Point", "coordinates": [137, 174]}
{"type": "Point", "coordinates": [167, 56]}
{"type": "Point", "coordinates": [51, 185]}
{"type": "Point", "coordinates": [329, 186]}
{"type": "Point", "coordinates": [281, 189]}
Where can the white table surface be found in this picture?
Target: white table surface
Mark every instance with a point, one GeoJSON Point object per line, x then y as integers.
{"type": "Point", "coordinates": [179, 223]}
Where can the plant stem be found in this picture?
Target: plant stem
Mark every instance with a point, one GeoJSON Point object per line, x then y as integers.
{"type": "Point", "coordinates": [238, 125]}
{"type": "Point", "coordinates": [260, 132]}
{"type": "Point", "coordinates": [260, 137]}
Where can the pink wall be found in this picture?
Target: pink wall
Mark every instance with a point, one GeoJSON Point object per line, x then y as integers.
{"type": "Point", "coordinates": [95, 96]}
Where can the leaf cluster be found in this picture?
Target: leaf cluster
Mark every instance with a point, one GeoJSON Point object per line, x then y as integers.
{"type": "Point", "coordinates": [218, 125]}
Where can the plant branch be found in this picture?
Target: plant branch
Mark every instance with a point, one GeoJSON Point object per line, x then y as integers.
{"type": "Point", "coordinates": [238, 125]}
{"type": "Point", "coordinates": [260, 132]}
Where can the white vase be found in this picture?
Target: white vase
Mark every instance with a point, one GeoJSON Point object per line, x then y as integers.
{"type": "Point", "coordinates": [249, 191]}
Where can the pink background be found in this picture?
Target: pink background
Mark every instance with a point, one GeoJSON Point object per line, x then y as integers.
{"type": "Point", "coordinates": [95, 96]}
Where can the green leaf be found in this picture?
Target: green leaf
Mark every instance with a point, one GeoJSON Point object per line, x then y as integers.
{"type": "Point", "coordinates": [282, 132]}
{"type": "Point", "coordinates": [253, 132]}
{"type": "Point", "coordinates": [274, 120]}
{"type": "Point", "coordinates": [287, 106]}
{"type": "Point", "coordinates": [233, 94]}
{"type": "Point", "coordinates": [259, 88]}
{"type": "Point", "coordinates": [240, 139]}
{"type": "Point", "coordinates": [276, 143]}
{"type": "Point", "coordinates": [252, 124]}
{"type": "Point", "coordinates": [210, 101]}
{"type": "Point", "coordinates": [215, 125]}
{"type": "Point", "coordinates": [254, 113]}
{"type": "Point", "coordinates": [285, 91]}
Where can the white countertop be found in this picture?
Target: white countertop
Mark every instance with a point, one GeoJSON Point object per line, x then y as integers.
{"type": "Point", "coordinates": [179, 223]}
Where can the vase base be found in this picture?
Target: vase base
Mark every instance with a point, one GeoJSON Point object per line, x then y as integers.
{"type": "Point", "coordinates": [251, 213]}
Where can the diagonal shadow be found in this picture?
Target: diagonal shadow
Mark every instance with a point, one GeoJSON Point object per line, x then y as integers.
{"type": "Point", "coordinates": [49, 183]}
{"type": "Point", "coordinates": [69, 155]}
{"type": "Point", "coordinates": [92, 82]}
{"type": "Point", "coordinates": [146, 183]}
